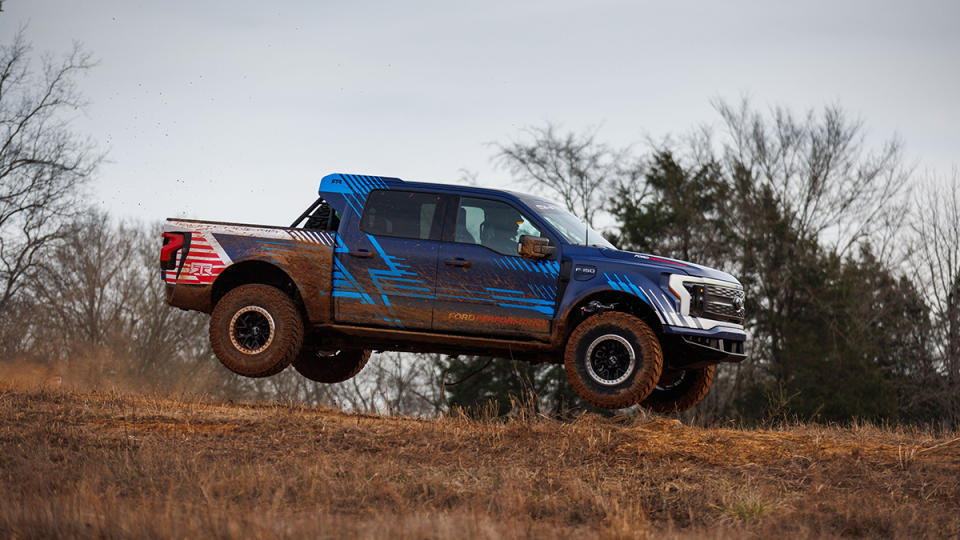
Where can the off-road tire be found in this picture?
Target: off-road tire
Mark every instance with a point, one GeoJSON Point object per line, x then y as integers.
{"type": "Point", "coordinates": [264, 304]}
{"type": "Point", "coordinates": [681, 394]}
{"type": "Point", "coordinates": [615, 331]}
{"type": "Point", "coordinates": [343, 365]}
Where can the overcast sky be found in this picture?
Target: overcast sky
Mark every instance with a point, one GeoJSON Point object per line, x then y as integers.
{"type": "Point", "coordinates": [235, 110]}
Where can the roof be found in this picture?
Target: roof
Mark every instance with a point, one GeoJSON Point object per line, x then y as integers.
{"type": "Point", "coordinates": [362, 184]}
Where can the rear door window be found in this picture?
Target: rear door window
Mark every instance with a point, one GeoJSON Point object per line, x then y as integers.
{"type": "Point", "coordinates": [403, 214]}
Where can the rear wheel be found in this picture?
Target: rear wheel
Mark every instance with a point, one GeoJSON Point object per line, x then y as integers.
{"type": "Point", "coordinates": [331, 366]}
{"type": "Point", "coordinates": [678, 390]}
{"type": "Point", "coordinates": [256, 330]}
{"type": "Point", "coordinates": [613, 360]}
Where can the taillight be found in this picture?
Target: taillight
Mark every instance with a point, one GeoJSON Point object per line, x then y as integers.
{"type": "Point", "coordinates": [172, 241]}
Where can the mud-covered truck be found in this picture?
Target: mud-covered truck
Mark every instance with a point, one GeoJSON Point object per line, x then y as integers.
{"type": "Point", "coordinates": [378, 263]}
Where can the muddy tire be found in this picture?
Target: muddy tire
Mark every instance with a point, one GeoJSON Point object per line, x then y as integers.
{"type": "Point", "coordinates": [613, 360]}
{"type": "Point", "coordinates": [678, 390]}
{"type": "Point", "coordinates": [256, 330]}
{"type": "Point", "coordinates": [324, 367]}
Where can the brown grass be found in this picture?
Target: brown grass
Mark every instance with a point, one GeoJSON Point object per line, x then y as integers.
{"type": "Point", "coordinates": [108, 464]}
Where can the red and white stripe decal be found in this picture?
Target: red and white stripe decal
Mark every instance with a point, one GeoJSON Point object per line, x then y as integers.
{"type": "Point", "coordinates": [205, 260]}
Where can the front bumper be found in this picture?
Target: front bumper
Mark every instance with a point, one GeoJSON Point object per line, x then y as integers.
{"type": "Point", "coordinates": [692, 348]}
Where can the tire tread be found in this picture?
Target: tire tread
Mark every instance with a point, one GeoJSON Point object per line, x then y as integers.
{"type": "Point", "coordinates": [286, 316]}
{"type": "Point", "coordinates": [652, 362]}
{"type": "Point", "coordinates": [665, 402]}
{"type": "Point", "coordinates": [341, 367]}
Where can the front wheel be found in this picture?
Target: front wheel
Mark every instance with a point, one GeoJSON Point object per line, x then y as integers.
{"type": "Point", "coordinates": [256, 330]}
{"type": "Point", "coordinates": [678, 390]}
{"type": "Point", "coordinates": [613, 360]}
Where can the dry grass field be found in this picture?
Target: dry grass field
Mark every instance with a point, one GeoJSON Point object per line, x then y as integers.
{"type": "Point", "coordinates": [108, 464]}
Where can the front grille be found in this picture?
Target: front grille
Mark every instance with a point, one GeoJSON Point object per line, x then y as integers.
{"type": "Point", "coordinates": [716, 302]}
{"type": "Point", "coordinates": [723, 303]}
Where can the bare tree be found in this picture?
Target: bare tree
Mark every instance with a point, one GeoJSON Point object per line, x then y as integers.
{"type": "Point", "coordinates": [936, 264]}
{"type": "Point", "coordinates": [828, 185]}
{"type": "Point", "coordinates": [572, 166]}
{"type": "Point", "coordinates": [937, 229]}
{"type": "Point", "coordinates": [97, 312]}
{"type": "Point", "coordinates": [43, 163]}
{"type": "Point", "coordinates": [404, 383]}
{"type": "Point", "coordinates": [86, 284]}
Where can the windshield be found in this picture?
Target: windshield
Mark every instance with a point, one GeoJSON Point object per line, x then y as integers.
{"type": "Point", "coordinates": [573, 229]}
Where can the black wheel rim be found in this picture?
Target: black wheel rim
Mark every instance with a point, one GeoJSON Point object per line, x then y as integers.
{"type": "Point", "coordinates": [610, 359]}
{"type": "Point", "coordinates": [251, 329]}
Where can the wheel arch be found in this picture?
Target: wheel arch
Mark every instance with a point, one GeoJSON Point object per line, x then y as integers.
{"type": "Point", "coordinates": [622, 301]}
{"type": "Point", "coordinates": [254, 271]}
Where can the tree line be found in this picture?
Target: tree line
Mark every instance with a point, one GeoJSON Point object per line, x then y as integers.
{"type": "Point", "coordinates": [850, 261]}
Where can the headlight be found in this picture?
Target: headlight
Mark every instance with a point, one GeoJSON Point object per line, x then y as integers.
{"type": "Point", "coordinates": [698, 294]}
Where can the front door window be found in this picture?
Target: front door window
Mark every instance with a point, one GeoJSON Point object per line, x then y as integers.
{"type": "Point", "coordinates": [492, 224]}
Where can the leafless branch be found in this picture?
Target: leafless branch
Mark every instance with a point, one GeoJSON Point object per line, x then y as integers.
{"type": "Point", "coordinates": [43, 164]}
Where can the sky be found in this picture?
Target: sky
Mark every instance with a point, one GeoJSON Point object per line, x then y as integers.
{"type": "Point", "coordinates": [234, 110]}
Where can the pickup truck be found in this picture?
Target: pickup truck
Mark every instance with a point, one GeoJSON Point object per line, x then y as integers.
{"type": "Point", "coordinates": [377, 263]}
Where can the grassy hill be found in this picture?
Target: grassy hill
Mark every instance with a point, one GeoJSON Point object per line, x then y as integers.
{"type": "Point", "coordinates": [110, 464]}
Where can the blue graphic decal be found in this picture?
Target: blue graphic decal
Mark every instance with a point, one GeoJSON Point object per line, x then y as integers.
{"type": "Point", "coordinates": [521, 301]}
{"type": "Point", "coordinates": [665, 307]}
{"type": "Point", "coordinates": [396, 280]}
{"type": "Point", "coordinates": [501, 297]}
{"type": "Point", "coordinates": [551, 268]}
{"type": "Point", "coordinates": [621, 282]}
{"type": "Point", "coordinates": [345, 286]}
{"type": "Point", "coordinates": [341, 247]}
{"type": "Point", "coordinates": [509, 291]}
{"type": "Point", "coordinates": [547, 292]}
{"type": "Point", "coordinates": [351, 189]}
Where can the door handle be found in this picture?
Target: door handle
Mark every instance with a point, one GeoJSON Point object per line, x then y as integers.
{"type": "Point", "coordinates": [362, 253]}
{"type": "Point", "coordinates": [457, 261]}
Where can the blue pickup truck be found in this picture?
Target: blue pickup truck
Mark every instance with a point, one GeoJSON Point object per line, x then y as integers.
{"type": "Point", "coordinates": [377, 263]}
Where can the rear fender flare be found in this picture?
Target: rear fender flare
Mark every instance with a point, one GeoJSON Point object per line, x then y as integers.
{"type": "Point", "coordinates": [258, 270]}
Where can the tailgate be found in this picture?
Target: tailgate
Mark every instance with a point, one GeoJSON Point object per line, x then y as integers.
{"type": "Point", "coordinates": [190, 255]}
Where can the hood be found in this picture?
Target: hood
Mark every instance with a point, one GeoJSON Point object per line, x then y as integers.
{"type": "Point", "coordinates": [667, 263]}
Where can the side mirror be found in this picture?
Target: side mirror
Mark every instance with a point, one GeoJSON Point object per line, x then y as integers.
{"type": "Point", "coordinates": [535, 247]}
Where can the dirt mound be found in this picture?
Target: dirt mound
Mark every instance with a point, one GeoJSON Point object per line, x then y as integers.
{"type": "Point", "coordinates": [110, 464]}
